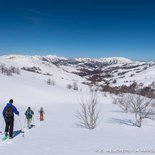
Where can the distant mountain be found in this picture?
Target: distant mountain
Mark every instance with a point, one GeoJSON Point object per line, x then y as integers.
{"type": "Point", "coordinates": [111, 60]}
{"type": "Point", "coordinates": [114, 71]}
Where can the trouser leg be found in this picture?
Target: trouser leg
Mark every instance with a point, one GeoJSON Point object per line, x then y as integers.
{"type": "Point", "coordinates": [28, 123]}
{"type": "Point", "coordinates": [11, 128]}
{"type": "Point", "coordinates": [41, 117]}
{"type": "Point", "coordinates": [6, 126]}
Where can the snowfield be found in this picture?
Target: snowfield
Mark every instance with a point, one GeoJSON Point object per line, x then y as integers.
{"type": "Point", "coordinates": [61, 133]}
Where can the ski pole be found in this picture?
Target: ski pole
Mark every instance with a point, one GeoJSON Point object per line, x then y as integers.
{"type": "Point", "coordinates": [33, 121]}
{"type": "Point", "coordinates": [2, 127]}
{"type": "Point", "coordinates": [25, 122]}
{"type": "Point", "coordinates": [21, 127]}
{"type": "Point", "coordinates": [20, 123]}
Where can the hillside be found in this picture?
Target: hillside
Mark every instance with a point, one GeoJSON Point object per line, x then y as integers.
{"type": "Point", "coordinates": [61, 133]}
{"type": "Point", "coordinates": [115, 74]}
{"type": "Point", "coordinates": [116, 71]}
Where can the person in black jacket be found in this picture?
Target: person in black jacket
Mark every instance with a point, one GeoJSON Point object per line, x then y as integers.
{"type": "Point", "coordinates": [8, 114]}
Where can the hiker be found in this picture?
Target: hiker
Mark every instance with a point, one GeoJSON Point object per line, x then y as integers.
{"type": "Point", "coordinates": [41, 112]}
{"type": "Point", "coordinates": [8, 114]}
{"type": "Point", "coordinates": [29, 114]}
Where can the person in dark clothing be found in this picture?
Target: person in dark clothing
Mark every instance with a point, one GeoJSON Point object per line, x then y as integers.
{"type": "Point", "coordinates": [29, 114]}
{"type": "Point", "coordinates": [8, 114]}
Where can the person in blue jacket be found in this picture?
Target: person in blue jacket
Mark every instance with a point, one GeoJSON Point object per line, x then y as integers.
{"type": "Point", "coordinates": [8, 114]}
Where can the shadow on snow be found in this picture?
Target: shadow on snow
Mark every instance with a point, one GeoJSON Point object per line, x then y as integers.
{"type": "Point", "coordinates": [122, 121]}
{"type": "Point", "coordinates": [17, 132]}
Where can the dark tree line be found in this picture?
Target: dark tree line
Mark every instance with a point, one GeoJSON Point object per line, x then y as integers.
{"type": "Point", "coordinates": [134, 88]}
{"type": "Point", "coordinates": [9, 71]}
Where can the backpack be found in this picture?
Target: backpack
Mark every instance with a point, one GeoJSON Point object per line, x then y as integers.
{"type": "Point", "coordinates": [29, 114]}
{"type": "Point", "coordinates": [9, 112]}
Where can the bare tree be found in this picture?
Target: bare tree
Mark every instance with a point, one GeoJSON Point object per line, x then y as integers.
{"type": "Point", "coordinates": [141, 106]}
{"type": "Point", "coordinates": [123, 101]}
{"type": "Point", "coordinates": [75, 86]}
{"type": "Point", "coordinates": [2, 68]}
{"type": "Point", "coordinates": [14, 70]}
{"type": "Point", "coordinates": [105, 94]}
{"type": "Point", "coordinates": [9, 71]}
{"type": "Point", "coordinates": [53, 83]}
{"type": "Point", "coordinates": [69, 86]}
{"type": "Point", "coordinates": [49, 81]}
{"type": "Point", "coordinates": [88, 114]}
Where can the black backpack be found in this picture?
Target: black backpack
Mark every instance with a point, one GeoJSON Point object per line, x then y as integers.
{"type": "Point", "coordinates": [9, 112]}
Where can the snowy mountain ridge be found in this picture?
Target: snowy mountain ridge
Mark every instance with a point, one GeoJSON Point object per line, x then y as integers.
{"type": "Point", "coordinates": [110, 60]}
{"type": "Point", "coordinates": [115, 71]}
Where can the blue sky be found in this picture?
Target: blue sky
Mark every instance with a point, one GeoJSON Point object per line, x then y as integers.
{"type": "Point", "coordinates": [78, 28]}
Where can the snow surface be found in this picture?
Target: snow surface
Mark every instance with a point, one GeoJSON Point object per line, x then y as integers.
{"type": "Point", "coordinates": [60, 133]}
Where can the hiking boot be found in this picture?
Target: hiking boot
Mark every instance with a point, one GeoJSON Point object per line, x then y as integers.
{"type": "Point", "coordinates": [11, 137]}
{"type": "Point", "coordinates": [6, 134]}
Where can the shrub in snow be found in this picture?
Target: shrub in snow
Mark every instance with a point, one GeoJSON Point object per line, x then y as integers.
{"type": "Point", "coordinates": [15, 70]}
{"type": "Point", "coordinates": [114, 81]}
{"type": "Point", "coordinates": [123, 101]}
{"type": "Point", "coordinates": [105, 94]}
{"type": "Point", "coordinates": [69, 86]}
{"type": "Point", "coordinates": [32, 69]}
{"type": "Point", "coordinates": [75, 86]}
{"type": "Point", "coordinates": [88, 114]}
{"type": "Point", "coordinates": [48, 81]}
{"type": "Point", "coordinates": [51, 82]}
{"type": "Point", "coordinates": [9, 71]}
{"type": "Point", "coordinates": [140, 106]}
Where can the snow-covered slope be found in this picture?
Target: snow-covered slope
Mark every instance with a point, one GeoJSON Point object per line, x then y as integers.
{"type": "Point", "coordinates": [60, 133]}
{"type": "Point", "coordinates": [116, 71]}
{"type": "Point", "coordinates": [118, 75]}
{"type": "Point", "coordinates": [43, 67]}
